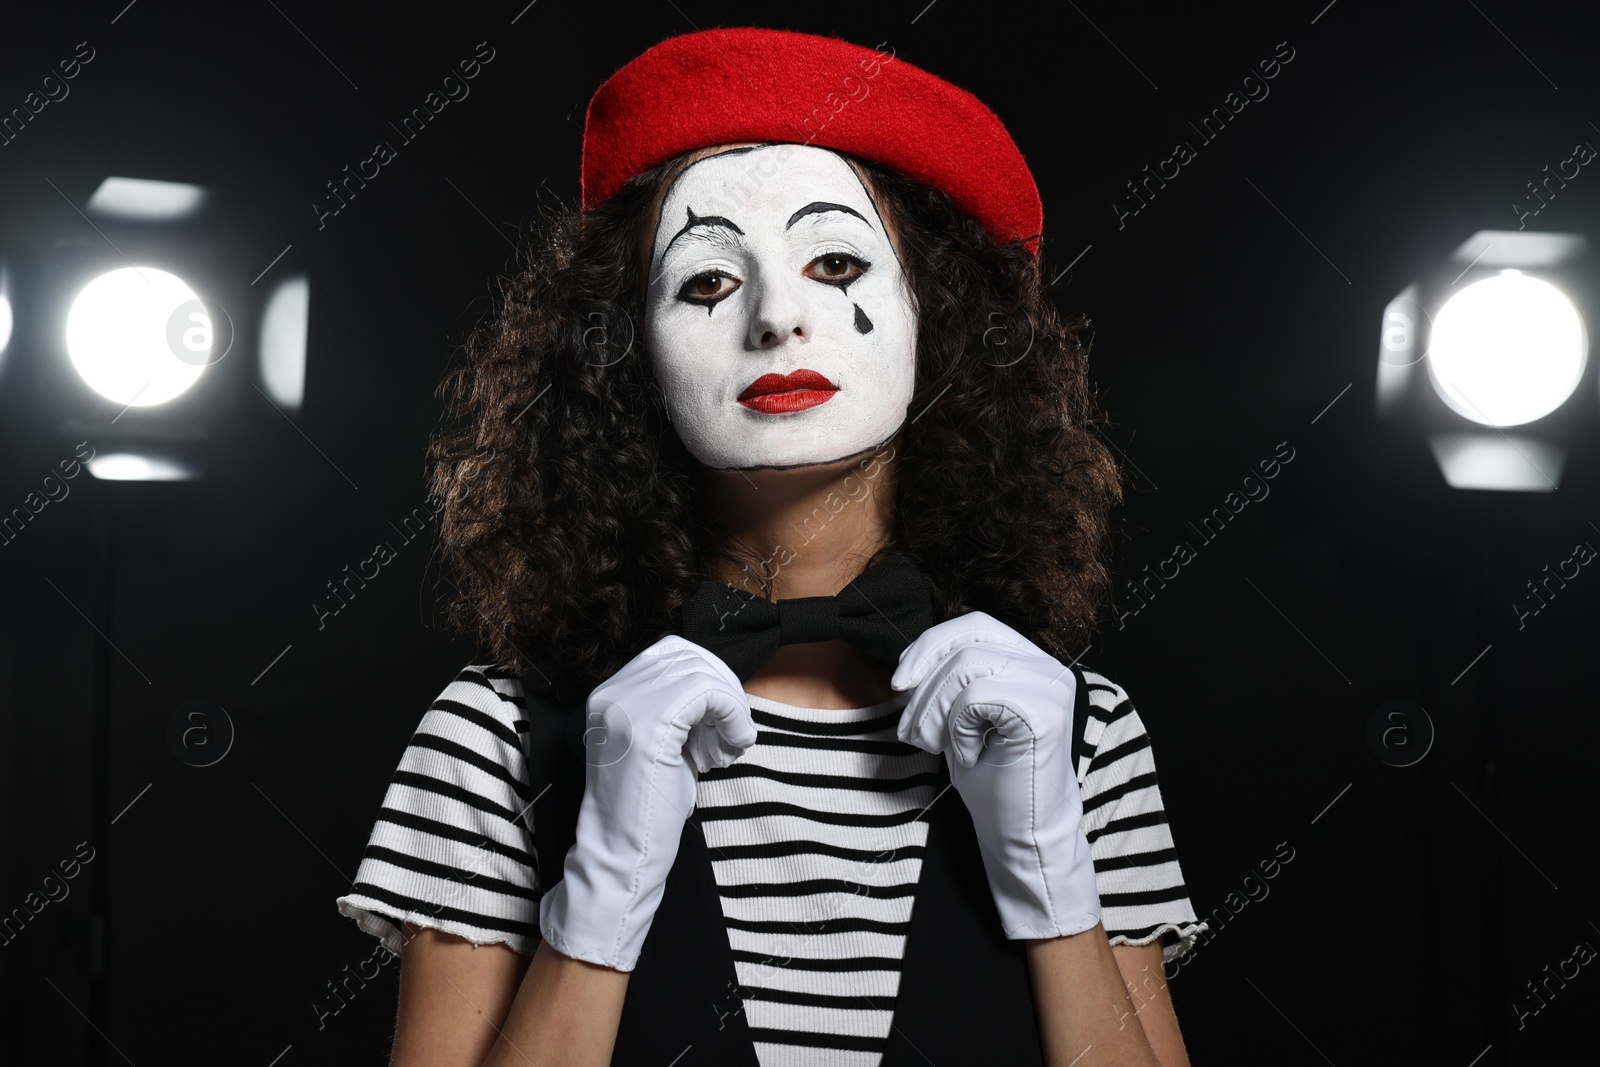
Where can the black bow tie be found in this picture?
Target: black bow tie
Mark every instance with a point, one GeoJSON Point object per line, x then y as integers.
{"type": "Point", "coordinates": [881, 612]}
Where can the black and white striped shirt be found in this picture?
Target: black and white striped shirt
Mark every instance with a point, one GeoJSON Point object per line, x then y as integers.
{"type": "Point", "coordinates": [815, 828]}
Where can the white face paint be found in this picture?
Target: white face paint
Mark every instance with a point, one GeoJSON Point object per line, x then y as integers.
{"type": "Point", "coordinates": [773, 261]}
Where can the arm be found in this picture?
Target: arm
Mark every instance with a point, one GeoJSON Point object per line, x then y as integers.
{"type": "Point", "coordinates": [466, 1005]}
{"type": "Point", "coordinates": [452, 841]}
{"type": "Point", "coordinates": [454, 995]}
{"type": "Point", "coordinates": [1083, 1005]}
{"type": "Point", "coordinates": [1143, 971]}
{"type": "Point", "coordinates": [1140, 882]}
{"type": "Point", "coordinates": [565, 1014]}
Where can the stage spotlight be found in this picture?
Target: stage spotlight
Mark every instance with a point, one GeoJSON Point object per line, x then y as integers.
{"type": "Point", "coordinates": [127, 315]}
{"type": "Point", "coordinates": [1507, 350]}
{"type": "Point", "coordinates": [139, 336]}
{"type": "Point", "coordinates": [1505, 346]}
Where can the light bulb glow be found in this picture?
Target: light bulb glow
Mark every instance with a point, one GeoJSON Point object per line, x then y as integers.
{"type": "Point", "coordinates": [121, 334]}
{"type": "Point", "coordinates": [1507, 350]}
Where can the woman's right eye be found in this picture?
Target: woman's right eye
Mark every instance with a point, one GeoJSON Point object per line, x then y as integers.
{"type": "Point", "coordinates": [708, 288]}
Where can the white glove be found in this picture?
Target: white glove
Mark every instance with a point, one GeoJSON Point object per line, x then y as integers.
{"type": "Point", "coordinates": [674, 699]}
{"type": "Point", "coordinates": [976, 680]}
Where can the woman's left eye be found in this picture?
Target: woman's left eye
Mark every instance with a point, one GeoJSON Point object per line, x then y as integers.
{"type": "Point", "coordinates": [837, 268]}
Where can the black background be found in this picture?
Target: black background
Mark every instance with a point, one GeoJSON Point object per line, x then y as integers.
{"type": "Point", "coordinates": [1229, 314]}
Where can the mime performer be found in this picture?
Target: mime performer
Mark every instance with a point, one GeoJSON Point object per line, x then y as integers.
{"type": "Point", "coordinates": [771, 492]}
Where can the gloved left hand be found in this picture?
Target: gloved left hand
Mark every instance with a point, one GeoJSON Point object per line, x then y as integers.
{"type": "Point", "coordinates": [1000, 708]}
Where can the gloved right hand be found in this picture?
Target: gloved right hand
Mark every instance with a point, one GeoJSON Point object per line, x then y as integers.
{"type": "Point", "coordinates": [674, 705]}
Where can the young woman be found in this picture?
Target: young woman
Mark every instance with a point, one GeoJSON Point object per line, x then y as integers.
{"type": "Point", "coordinates": [771, 492]}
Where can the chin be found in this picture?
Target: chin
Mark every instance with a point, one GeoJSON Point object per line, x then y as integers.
{"type": "Point", "coordinates": [790, 458]}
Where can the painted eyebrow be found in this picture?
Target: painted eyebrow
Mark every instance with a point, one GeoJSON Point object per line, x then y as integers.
{"type": "Point", "coordinates": [818, 206]}
{"type": "Point", "coordinates": [701, 220]}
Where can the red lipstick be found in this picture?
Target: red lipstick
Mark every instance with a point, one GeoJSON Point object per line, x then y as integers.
{"type": "Point", "coordinates": [776, 394]}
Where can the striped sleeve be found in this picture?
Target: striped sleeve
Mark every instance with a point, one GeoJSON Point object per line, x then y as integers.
{"type": "Point", "coordinates": [452, 848]}
{"type": "Point", "coordinates": [1142, 893]}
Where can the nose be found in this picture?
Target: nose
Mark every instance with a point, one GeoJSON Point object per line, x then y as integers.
{"type": "Point", "coordinates": [779, 312]}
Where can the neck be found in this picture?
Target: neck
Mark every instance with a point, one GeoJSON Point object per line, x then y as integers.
{"type": "Point", "coordinates": [806, 531]}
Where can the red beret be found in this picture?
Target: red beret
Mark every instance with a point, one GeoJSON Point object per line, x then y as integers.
{"type": "Point", "coordinates": [752, 84]}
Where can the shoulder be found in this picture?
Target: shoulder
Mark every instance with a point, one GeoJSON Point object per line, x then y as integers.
{"type": "Point", "coordinates": [481, 709]}
{"type": "Point", "coordinates": [452, 847]}
{"type": "Point", "coordinates": [486, 689]}
{"type": "Point", "coordinates": [1110, 737]}
{"type": "Point", "coordinates": [1109, 718]}
{"type": "Point", "coordinates": [1107, 700]}
{"type": "Point", "coordinates": [1137, 874]}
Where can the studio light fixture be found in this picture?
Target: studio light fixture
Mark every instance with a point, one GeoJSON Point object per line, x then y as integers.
{"type": "Point", "coordinates": [1488, 355]}
{"type": "Point", "coordinates": [126, 317]}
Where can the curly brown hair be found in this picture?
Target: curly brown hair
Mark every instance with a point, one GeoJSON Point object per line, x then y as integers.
{"type": "Point", "coordinates": [570, 510]}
